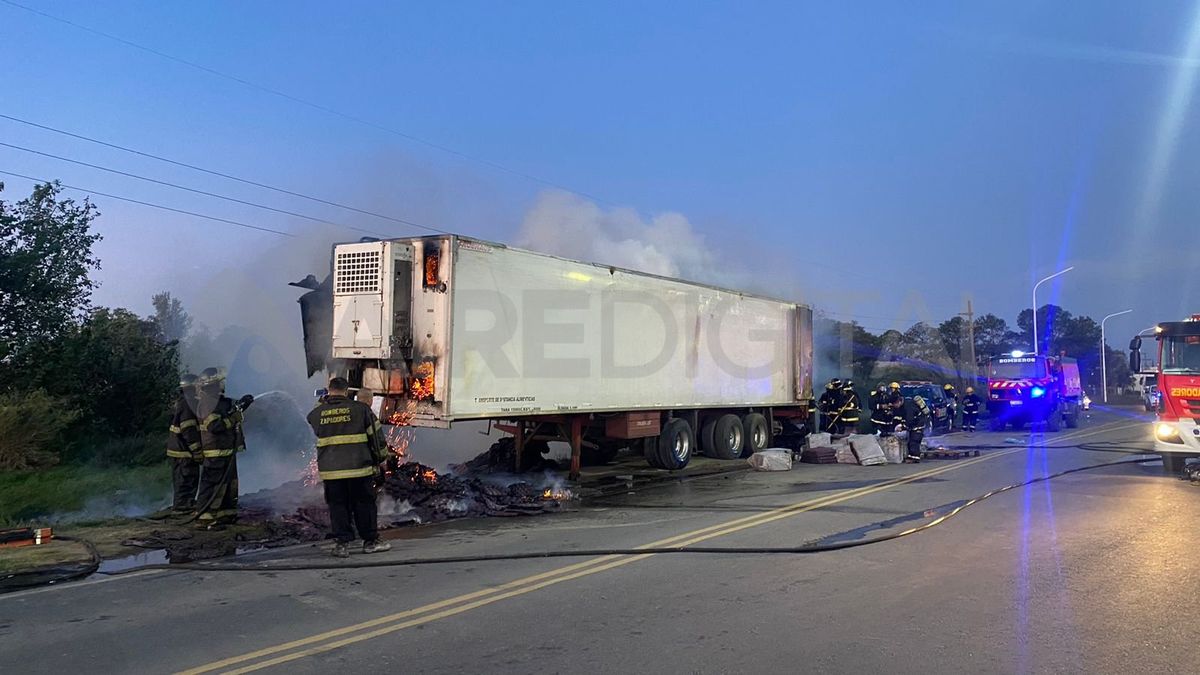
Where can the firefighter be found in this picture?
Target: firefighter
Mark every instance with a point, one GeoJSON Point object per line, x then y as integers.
{"type": "Point", "coordinates": [895, 401]}
{"type": "Point", "coordinates": [971, 405]}
{"type": "Point", "coordinates": [881, 412]}
{"type": "Point", "coordinates": [183, 447]}
{"type": "Point", "coordinates": [916, 416]}
{"type": "Point", "coordinates": [350, 448]}
{"type": "Point", "coordinates": [850, 409]}
{"type": "Point", "coordinates": [951, 404]}
{"type": "Point", "coordinates": [221, 438]}
{"type": "Point", "coordinates": [829, 403]}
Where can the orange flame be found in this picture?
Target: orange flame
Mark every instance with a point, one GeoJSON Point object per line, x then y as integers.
{"type": "Point", "coordinates": [429, 476]}
{"type": "Point", "coordinates": [420, 386]}
{"type": "Point", "coordinates": [431, 269]}
{"type": "Point", "coordinates": [557, 494]}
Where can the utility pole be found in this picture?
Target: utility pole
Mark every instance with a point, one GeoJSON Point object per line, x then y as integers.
{"type": "Point", "coordinates": [970, 315]}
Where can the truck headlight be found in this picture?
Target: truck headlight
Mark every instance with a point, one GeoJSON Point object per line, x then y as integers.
{"type": "Point", "coordinates": [1167, 433]}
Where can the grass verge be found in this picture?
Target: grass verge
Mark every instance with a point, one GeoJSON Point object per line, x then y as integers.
{"type": "Point", "coordinates": [29, 496]}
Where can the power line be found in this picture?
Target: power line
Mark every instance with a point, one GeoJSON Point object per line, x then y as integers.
{"type": "Point", "coordinates": [304, 102]}
{"type": "Point", "coordinates": [220, 174]}
{"type": "Point", "coordinates": [150, 204]}
{"type": "Point", "coordinates": [188, 189]}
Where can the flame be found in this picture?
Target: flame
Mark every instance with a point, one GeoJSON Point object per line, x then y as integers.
{"type": "Point", "coordinates": [401, 435]}
{"type": "Point", "coordinates": [431, 269]}
{"type": "Point", "coordinates": [557, 494]}
{"type": "Point", "coordinates": [429, 476]}
{"type": "Point", "coordinates": [420, 386]}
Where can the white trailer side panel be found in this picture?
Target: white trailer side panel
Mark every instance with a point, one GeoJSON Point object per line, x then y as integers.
{"type": "Point", "coordinates": [537, 334]}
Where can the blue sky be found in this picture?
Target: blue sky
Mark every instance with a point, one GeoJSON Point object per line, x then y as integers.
{"type": "Point", "coordinates": [883, 160]}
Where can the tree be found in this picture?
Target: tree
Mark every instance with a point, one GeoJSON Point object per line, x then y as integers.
{"type": "Point", "coordinates": [172, 321]}
{"type": "Point", "coordinates": [45, 258]}
{"type": "Point", "coordinates": [114, 368]}
{"type": "Point", "coordinates": [953, 333]}
{"type": "Point", "coordinates": [992, 336]}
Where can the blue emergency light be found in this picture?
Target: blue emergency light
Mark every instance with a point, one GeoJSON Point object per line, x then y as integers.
{"type": "Point", "coordinates": [1037, 392]}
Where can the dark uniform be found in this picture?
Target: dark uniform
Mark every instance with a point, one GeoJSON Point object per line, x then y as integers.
{"type": "Point", "coordinates": [221, 438]}
{"type": "Point", "coordinates": [951, 405]}
{"type": "Point", "coordinates": [971, 405]}
{"type": "Point", "coordinates": [850, 409]}
{"type": "Point", "coordinates": [183, 447]}
{"type": "Point", "coordinates": [828, 404]}
{"type": "Point", "coordinates": [916, 416]}
{"type": "Point", "coordinates": [349, 448]}
{"type": "Point", "coordinates": [882, 415]}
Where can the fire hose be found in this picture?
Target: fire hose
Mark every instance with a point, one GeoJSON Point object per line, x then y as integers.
{"type": "Point", "coordinates": [577, 553]}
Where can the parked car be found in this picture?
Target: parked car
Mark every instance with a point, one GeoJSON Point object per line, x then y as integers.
{"type": "Point", "coordinates": [1151, 397]}
{"type": "Point", "coordinates": [935, 397]}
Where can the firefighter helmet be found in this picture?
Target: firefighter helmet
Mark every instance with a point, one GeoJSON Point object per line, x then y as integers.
{"type": "Point", "coordinates": [848, 384]}
{"type": "Point", "coordinates": [211, 376]}
{"type": "Point", "coordinates": [947, 386]}
{"type": "Point", "coordinates": [894, 385]}
{"type": "Point", "coordinates": [836, 383]}
{"type": "Point", "coordinates": [188, 380]}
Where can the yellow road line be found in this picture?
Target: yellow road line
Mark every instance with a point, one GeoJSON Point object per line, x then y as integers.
{"type": "Point", "coordinates": [569, 572]}
{"type": "Point", "coordinates": [452, 606]}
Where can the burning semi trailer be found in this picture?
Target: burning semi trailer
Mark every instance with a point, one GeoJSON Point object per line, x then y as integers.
{"type": "Point", "coordinates": [443, 329]}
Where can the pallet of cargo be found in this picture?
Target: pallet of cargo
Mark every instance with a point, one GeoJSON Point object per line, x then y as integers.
{"type": "Point", "coordinates": [943, 453]}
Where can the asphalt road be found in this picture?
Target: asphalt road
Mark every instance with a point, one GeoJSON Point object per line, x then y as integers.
{"type": "Point", "coordinates": [1093, 572]}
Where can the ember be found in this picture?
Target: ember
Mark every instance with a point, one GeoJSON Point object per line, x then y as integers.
{"type": "Point", "coordinates": [420, 385]}
{"type": "Point", "coordinates": [434, 497]}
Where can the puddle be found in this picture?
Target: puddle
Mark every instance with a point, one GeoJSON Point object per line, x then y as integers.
{"type": "Point", "coordinates": [155, 557]}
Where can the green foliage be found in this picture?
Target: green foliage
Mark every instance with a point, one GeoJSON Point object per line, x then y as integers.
{"type": "Point", "coordinates": [147, 450]}
{"type": "Point", "coordinates": [114, 369]}
{"type": "Point", "coordinates": [172, 321]}
{"type": "Point", "coordinates": [45, 257]}
{"type": "Point", "coordinates": [28, 495]}
{"type": "Point", "coordinates": [32, 430]}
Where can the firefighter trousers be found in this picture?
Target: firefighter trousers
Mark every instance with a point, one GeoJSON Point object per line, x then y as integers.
{"type": "Point", "coordinates": [914, 442]}
{"type": "Point", "coordinates": [218, 483]}
{"type": "Point", "coordinates": [970, 419]}
{"type": "Point", "coordinates": [185, 478]}
{"type": "Point", "coordinates": [352, 506]}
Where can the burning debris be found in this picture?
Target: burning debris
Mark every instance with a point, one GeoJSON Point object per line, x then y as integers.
{"type": "Point", "coordinates": [432, 497]}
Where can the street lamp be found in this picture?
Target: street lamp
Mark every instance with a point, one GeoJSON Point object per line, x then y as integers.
{"type": "Point", "coordinates": [1103, 349]}
{"type": "Point", "coordinates": [1035, 287]}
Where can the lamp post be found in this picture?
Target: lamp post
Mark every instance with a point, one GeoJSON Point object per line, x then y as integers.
{"type": "Point", "coordinates": [1103, 349]}
{"type": "Point", "coordinates": [1035, 308]}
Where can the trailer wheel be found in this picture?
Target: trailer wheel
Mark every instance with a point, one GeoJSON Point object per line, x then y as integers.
{"type": "Point", "coordinates": [1054, 420]}
{"type": "Point", "coordinates": [650, 452]}
{"type": "Point", "coordinates": [756, 433]}
{"type": "Point", "coordinates": [675, 444]}
{"type": "Point", "coordinates": [727, 439]}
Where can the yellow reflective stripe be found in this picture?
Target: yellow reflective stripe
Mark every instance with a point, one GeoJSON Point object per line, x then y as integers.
{"type": "Point", "coordinates": [174, 429]}
{"type": "Point", "coordinates": [186, 424]}
{"type": "Point", "coordinates": [218, 453]}
{"type": "Point", "coordinates": [194, 447]}
{"type": "Point", "coordinates": [344, 439]}
{"type": "Point", "coordinates": [179, 454]}
{"type": "Point", "coordinates": [347, 473]}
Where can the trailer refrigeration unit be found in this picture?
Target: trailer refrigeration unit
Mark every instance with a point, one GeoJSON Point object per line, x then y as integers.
{"type": "Point", "coordinates": [1176, 430]}
{"type": "Point", "coordinates": [446, 329]}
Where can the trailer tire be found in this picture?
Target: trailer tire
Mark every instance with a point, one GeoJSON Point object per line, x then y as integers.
{"type": "Point", "coordinates": [675, 444]}
{"type": "Point", "coordinates": [650, 452]}
{"type": "Point", "coordinates": [1072, 418]}
{"type": "Point", "coordinates": [706, 437]}
{"type": "Point", "coordinates": [1054, 420]}
{"type": "Point", "coordinates": [727, 439]}
{"type": "Point", "coordinates": [756, 433]}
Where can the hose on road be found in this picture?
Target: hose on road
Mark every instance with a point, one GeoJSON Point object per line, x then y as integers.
{"type": "Point", "coordinates": [57, 574]}
{"type": "Point", "coordinates": [576, 553]}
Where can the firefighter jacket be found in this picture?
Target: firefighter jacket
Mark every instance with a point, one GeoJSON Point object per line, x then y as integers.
{"type": "Point", "coordinates": [916, 413]}
{"type": "Point", "coordinates": [972, 403]}
{"type": "Point", "coordinates": [850, 406]}
{"type": "Point", "coordinates": [881, 409]}
{"type": "Point", "coordinates": [830, 401]}
{"type": "Point", "coordinates": [349, 438]}
{"type": "Point", "coordinates": [183, 441]}
{"type": "Point", "coordinates": [220, 426]}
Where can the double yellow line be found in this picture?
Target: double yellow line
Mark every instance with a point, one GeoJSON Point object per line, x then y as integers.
{"type": "Point", "coordinates": [341, 637]}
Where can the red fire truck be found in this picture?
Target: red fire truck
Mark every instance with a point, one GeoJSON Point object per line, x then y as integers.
{"type": "Point", "coordinates": [1176, 431]}
{"type": "Point", "coordinates": [1032, 389]}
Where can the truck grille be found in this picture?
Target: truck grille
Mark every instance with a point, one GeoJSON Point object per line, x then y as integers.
{"type": "Point", "coordinates": [357, 272]}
